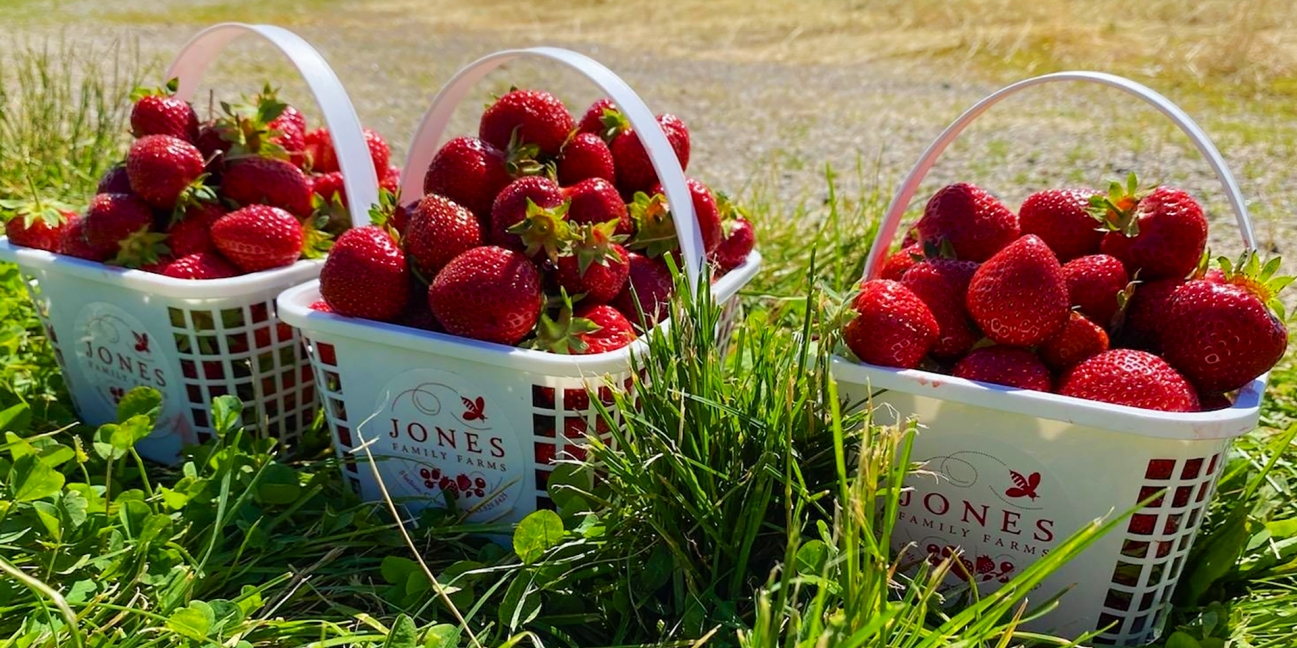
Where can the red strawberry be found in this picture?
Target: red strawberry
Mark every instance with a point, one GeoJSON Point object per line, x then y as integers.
{"type": "Point", "coordinates": [488, 293]}
{"type": "Point", "coordinates": [159, 266]}
{"type": "Point", "coordinates": [534, 197]}
{"type": "Point", "coordinates": [649, 287]}
{"type": "Point", "coordinates": [161, 168]}
{"type": "Point", "coordinates": [1131, 378]}
{"type": "Point", "coordinates": [329, 185]}
{"type": "Point", "coordinates": [1077, 340]}
{"type": "Point", "coordinates": [1061, 218]}
{"type": "Point", "coordinates": [115, 180]}
{"type": "Point", "coordinates": [73, 243]}
{"type": "Point", "coordinates": [595, 266]}
{"type": "Point", "coordinates": [469, 172]}
{"type": "Point", "coordinates": [1162, 235]}
{"type": "Point", "coordinates": [974, 223]}
{"type": "Point", "coordinates": [585, 156]}
{"type": "Point", "coordinates": [1019, 297]}
{"type": "Point", "coordinates": [1093, 283]}
{"type": "Point", "coordinates": [192, 234]}
{"type": "Point", "coordinates": [290, 138]}
{"type": "Point", "coordinates": [321, 306]}
{"type": "Point", "coordinates": [1008, 366]}
{"type": "Point", "coordinates": [595, 201]}
{"type": "Point", "coordinates": [379, 152]}
{"type": "Point", "coordinates": [212, 146]}
{"type": "Point", "coordinates": [111, 218]}
{"type": "Point", "coordinates": [258, 237]}
{"type": "Point", "coordinates": [439, 231]}
{"type": "Point", "coordinates": [942, 284]}
{"type": "Point", "coordinates": [893, 327]}
{"type": "Point", "coordinates": [901, 261]}
{"type": "Point", "coordinates": [159, 112]}
{"type": "Point", "coordinates": [41, 227]}
{"type": "Point", "coordinates": [593, 328]}
{"type": "Point", "coordinates": [1145, 314]}
{"type": "Point", "coordinates": [736, 245]}
{"type": "Point", "coordinates": [593, 120]}
{"type": "Point", "coordinates": [201, 265]}
{"type": "Point", "coordinates": [390, 179]}
{"type": "Point", "coordinates": [635, 171]}
{"type": "Point", "coordinates": [706, 211]}
{"type": "Point", "coordinates": [1214, 402]}
{"type": "Point", "coordinates": [319, 151]}
{"type": "Point", "coordinates": [1222, 335]}
{"type": "Point", "coordinates": [290, 117]}
{"type": "Point", "coordinates": [523, 117]}
{"type": "Point", "coordinates": [365, 275]}
{"type": "Point", "coordinates": [260, 180]}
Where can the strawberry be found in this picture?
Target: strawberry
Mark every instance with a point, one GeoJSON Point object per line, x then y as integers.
{"type": "Point", "coordinates": [201, 265]}
{"type": "Point", "coordinates": [258, 237]}
{"type": "Point", "coordinates": [593, 328]}
{"type": "Point", "coordinates": [1008, 366]}
{"type": "Point", "coordinates": [321, 306]}
{"type": "Point", "coordinates": [290, 118]}
{"type": "Point", "coordinates": [595, 265]}
{"type": "Point", "coordinates": [1077, 340]}
{"type": "Point", "coordinates": [593, 121]}
{"type": "Point", "coordinates": [1161, 235]}
{"type": "Point", "coordinates": [649, 286]}
{"type": "Point", "coordinates": [594, 201]}
{"type": "Point", "coordinates": [892, 328]}
{"type": "Point", "coordinates": [1061, 218]}
{"type": "Point", "coordinates": [635, 171]}
{"type": "Point", "coordinates": [329, 186]}
{"type": "Point", "coordinates": [439, 230]}
{"type": "Point", "coordinates": [192, 234]}
{"type": "Point", "coordinates": [1223, 335]}
{"type": "Point", "coordinates": [534, 201]}
{"type": "Point", "coordinates": [379, 152]}
{"type": "Point", "coordinates": [901, 261]}
{"type": "Point", "coordinates": [1093, 284]}
{"type": "Point", "coordinates": [212, 146]}
{"type": "Point", "coordinates": [738, 241]}
{"type": "Point", "coordinates": [942, 284]}
{"type": "Point", "coordinates": [159, 266]}
{"type": "Point", "coordinates": [974, 223]}
{"type": "Point", "coordinates": [390, 179]}
{"type": "Point", "coordinates": [470, 172]}
{"type": "Point", "coordinates": [38, 225]}
{"type": "Point", "coordinates": [1145, 314]}
{"type": "Point", "coordinates": [113, 217]}
{"type": "Point", "coordinates": [585, 156]}
{"type": "Point", "coordinates": [418, 314]}
{"type": "Point", "coordinates": [318, 147]}
{"type": "Point", "coordinates": [705, 210]}
{"type": "Point", "coordinates": [158, 112]}
{"type": "Point", "coordinates": [366, 275]}
{"type": "Point", "coordinates": [73, 243]}
{"type": "Point", "coordinates": [488, 293]}
{"type": "Point", "coordinates": [260, 180]}
{"type": "Point", "coordinates": [290, 138]}
{"type": "Point", "coordinates": [1131, 378]}
{"type": "Point", "coordinates": [161, 168]}
{"type": "Point", "coordinates": [115, 180]}
{"type": "Point", "coordinates": [1214, 402]}
{"type": "Point", "coordinates": [522, 117]}
{"type": "Point", "coordinates": [1019, 297]}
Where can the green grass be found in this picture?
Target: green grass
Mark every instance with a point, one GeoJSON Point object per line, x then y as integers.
{"type": "Point", "coordinates": [741, 508]}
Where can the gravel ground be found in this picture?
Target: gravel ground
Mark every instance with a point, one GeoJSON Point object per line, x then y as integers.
{"type": "Point", "coordinates": [772, 128]}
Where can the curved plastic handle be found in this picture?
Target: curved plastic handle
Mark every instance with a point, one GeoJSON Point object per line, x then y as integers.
{"type": "Point", "coordinates": [892, 220]}
{"type": "Point", "coordinates": [428, 137]}
{"type": "Point", "coordinates": [359, 176]}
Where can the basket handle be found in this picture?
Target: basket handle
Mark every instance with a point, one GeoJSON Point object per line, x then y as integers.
{"type": "Point", "coordinates": [358, 173]}
{"type": "Point", "coordinates": [892, 220]}
{"type": "Point", "coordinates": [428, 137]}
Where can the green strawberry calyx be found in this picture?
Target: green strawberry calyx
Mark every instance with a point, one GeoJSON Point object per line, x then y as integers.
{"type": "Point", "coordinates": [593, 243]}
{"type": "Point", "coordinates": [316, 240]}
{"type": "Point", "coordinates": [246, 126]}
{"type": "Point", "coordinates": [383, 213]}
{"type": "Point", "coordinates": [1260, 279]}
{"type": "Point", "coordinates": [614, 124]}
{"type": "Point", "coordinates": [655, 231]}
{"type": "Point", "coordinates": [522, 159]}
{"type": "Point", "coordinates": [168, 89]}
{"type": "Point", "coordinates": [544, 228]}
{"type": "Point", "coordinates": [141, 248]}
{"type": "Point", "coordinates": [196, 194]}
{"type": "Point", "coordinates": [563, 334]}
{"type": "Point", "coordinates": [1118, 209]}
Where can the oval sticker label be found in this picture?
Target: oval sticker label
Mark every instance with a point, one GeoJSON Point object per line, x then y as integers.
{"type": "Point", "coordinates": [116, 353]}
{"type": "Point", "coordinates": [444, 436]}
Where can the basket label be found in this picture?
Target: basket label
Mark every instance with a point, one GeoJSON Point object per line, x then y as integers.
{"type": "Point", "coordinates": [116, 354]}
{"type": "Point", "coordinates": [445, 438]}
{"type": "Point", "coordinates": [998, 508]}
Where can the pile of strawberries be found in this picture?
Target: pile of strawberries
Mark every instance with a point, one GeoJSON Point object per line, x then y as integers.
{"type": "Point", "coordinates": [542, 231]}
{"type": "Point", "coordinates": [247, 191]}
{"type": "Point", "coordinates": [1101, 296]}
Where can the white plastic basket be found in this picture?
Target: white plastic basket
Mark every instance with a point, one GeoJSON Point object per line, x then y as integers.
{"type": "Point", "coordinates": [113, 329]}
{"type": "Point", "coordinates": [489, 416]}
{"type": "Point", "coordinates": [1011, 473]}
